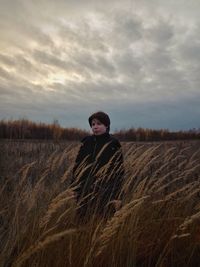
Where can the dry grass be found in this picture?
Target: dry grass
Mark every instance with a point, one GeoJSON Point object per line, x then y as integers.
{"type": "Point", "coordinates": [157, 225]}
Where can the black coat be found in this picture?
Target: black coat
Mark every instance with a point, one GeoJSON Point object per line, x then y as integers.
{"type": "Point", "coordinates": [98, 172]}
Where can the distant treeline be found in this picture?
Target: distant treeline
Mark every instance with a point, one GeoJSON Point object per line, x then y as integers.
{"type": "Point", "coordinates": [141, 134]}
{"type": "Point", "coordinates": [26, 129]}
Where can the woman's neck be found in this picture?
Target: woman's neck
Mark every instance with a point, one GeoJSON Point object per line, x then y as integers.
{"type": "Point", "coordinates": [101, 136]}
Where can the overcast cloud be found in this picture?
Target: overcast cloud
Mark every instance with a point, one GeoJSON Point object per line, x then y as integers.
{"type": "Point", "coordinates": [139, 61]}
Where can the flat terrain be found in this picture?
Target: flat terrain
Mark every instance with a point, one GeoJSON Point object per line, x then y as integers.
{"type": "Point", "coordinates": [157, 225]}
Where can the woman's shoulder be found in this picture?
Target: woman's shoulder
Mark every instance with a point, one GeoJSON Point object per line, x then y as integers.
{"type": "Point", "coordinates": [115, 141]}
{"type": "Point", "coordinates": [112, 139]}
{"type": "Point", "coordinates": [87, 138]}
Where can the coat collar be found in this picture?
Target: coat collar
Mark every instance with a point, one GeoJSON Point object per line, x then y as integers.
{"type": "Point", "coordinates": [101, 137]}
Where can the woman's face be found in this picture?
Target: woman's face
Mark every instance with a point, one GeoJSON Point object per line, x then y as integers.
{"type": "Point", "coordinates": [98, 127]}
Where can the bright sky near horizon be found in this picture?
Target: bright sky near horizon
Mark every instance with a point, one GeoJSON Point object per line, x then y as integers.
{"type": "Point", "coordinates": [139, 61]}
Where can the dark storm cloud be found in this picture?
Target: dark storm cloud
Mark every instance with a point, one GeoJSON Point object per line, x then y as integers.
{"type": "Point", "coordinates": [126, 29]}
{"type": "Point", "coordinates": [83, 35]}
{"type": "Point", "coordinates": [49, 59]}
{"type": "Point", "coordinates": [190, 51]}
{"type": "Point", "coordinates": [162, 33]}
{"type": "Point", "coordinates": [82, 62]}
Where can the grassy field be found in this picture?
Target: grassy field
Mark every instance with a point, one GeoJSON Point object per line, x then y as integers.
{"type": "Point", "coordinates": [158, 224]}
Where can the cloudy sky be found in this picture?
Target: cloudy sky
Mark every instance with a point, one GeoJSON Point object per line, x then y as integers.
{"type": "Point", "coordinates": [137, 60]}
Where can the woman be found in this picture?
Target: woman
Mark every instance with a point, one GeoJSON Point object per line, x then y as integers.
{"type": "Point", "coordinates": [98, 171]}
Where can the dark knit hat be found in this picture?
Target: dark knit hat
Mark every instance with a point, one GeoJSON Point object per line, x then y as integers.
{"type": "Point", "coordinates": [102, 117]}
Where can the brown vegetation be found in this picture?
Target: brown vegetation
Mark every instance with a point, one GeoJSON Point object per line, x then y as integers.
{"type": "Point", "coordinates": [25, 129]}
{"type": "Point", "coordinates": [157, 225]}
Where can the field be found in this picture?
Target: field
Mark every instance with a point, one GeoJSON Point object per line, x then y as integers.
{"type": "Point", "coordinates": [158, 224]}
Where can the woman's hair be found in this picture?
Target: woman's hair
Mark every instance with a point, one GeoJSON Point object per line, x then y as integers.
{"type": "Point", "coordinates": [102, 117]}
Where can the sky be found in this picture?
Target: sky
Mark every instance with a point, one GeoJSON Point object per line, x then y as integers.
{"type": "Point", "coordinates": [138, 61]}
